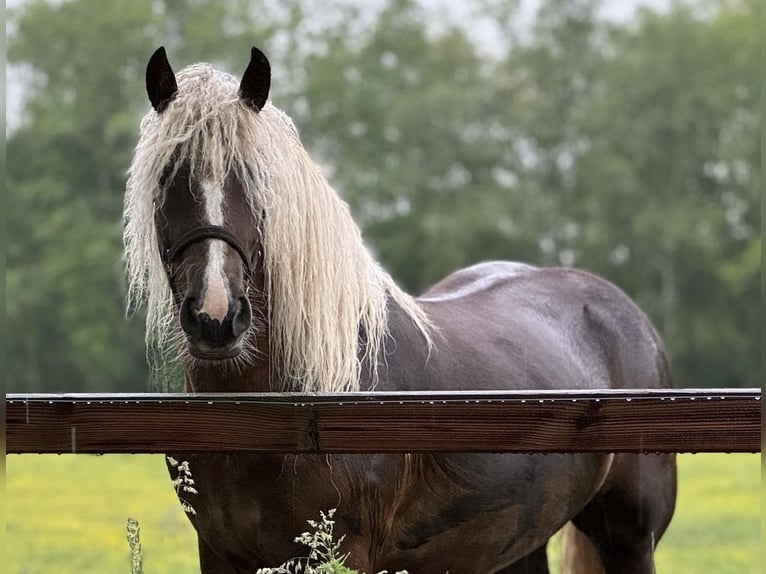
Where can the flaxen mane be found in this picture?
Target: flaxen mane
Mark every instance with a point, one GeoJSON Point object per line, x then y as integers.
{"type": "Point", "coordinates": [322, 285]}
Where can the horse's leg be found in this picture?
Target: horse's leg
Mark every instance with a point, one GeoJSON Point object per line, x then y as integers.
{"type": "Point", "coordinates": [211, 563]}
{"type": "Point", "coordinates": [627, 517]}
{"type": "Point", "coordinates": [534, 563]}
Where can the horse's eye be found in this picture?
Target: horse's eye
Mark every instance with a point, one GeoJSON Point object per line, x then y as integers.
{"type": "Point", "coordinates": [167, 171]}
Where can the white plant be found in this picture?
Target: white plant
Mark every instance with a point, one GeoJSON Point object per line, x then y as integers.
{"type": "Point", "coordinates": [134, 541]}
{"type": "Point", "coordinates": [324, 556]}
{"type": "Point", "coordinates": [183, 483]}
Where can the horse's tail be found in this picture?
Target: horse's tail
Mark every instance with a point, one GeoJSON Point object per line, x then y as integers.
{"type": "Point", "coordinates": [578, 555]}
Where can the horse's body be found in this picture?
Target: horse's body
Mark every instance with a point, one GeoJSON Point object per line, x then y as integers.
{"type": "Point", "coordinates": [492, 326]}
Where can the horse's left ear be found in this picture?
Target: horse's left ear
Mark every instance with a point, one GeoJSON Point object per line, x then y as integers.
{"type": "Point", "coordinates": [254, 88]}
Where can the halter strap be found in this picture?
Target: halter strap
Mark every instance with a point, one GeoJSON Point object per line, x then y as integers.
{"type": "Point", "coordinates": [206, 232]}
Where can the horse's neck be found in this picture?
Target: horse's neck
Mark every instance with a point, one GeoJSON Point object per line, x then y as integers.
{"type": "Point", "coordinates": [257, 376]}
{"type": "Point", "coordinates": [250, 379]}
{"type": "Point", "coordinates": [404, 356]}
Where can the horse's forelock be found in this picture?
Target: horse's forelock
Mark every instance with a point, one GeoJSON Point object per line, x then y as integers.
{"type": "Point", "coordinates": [318, 271]}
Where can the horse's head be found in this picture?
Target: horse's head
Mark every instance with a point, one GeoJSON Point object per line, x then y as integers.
{"type": "Point", "coordinates": [207, 226]}
{"type": "Point", "coordinates": [238, 244]}
{"type": "Point", "coordinates": [210, 247]}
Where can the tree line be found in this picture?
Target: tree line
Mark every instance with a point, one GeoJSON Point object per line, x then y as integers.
{"type": "Point", "coordinates": [627, 148]}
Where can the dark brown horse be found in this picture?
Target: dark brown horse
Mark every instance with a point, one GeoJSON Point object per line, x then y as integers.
{"type": "Point", "coordinates": [254, 271]}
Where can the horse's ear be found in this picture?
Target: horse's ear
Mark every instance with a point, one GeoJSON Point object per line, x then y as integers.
{"type": "Point", "coordinates": [254, 88]}
{"type": "Point", "coordinates": [160, 80]}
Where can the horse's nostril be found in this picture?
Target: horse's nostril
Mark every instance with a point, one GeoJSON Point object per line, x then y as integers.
{"type": "Point", "coordinates": [189, 317]}
{"type": "Point", "coordinates": [194, 303]}
{"type": "Point", "coordinates": [241, 316]}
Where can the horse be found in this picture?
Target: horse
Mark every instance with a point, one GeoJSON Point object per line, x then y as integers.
{"type": "Point", "coordinates": [254, 273]}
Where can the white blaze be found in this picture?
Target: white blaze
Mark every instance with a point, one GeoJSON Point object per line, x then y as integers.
{"type": "Point", "coordinates": [216, 296]}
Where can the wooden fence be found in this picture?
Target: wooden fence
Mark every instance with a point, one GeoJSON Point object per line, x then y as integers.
{"type": "Point", "coordinates": [645, 421]}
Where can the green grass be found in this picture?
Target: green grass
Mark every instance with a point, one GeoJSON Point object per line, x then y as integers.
{"type": "Point", "coordinates": [67, 514]}
{"type": "Point", "coordinates": [717, 524]}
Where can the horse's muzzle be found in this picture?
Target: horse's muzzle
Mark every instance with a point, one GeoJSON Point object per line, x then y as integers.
{"type": "Point", "coordinates": [209, 338]}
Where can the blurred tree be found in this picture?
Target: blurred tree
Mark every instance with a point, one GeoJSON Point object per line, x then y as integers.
{"type": "Point", "coordinates": [398, 114]}
{"type": "Point", "coordinates": [668, 183]}
{"type": "Point", "coordinates": [626, 149]}
{"type": "Point", "coordinates": [646, 145]}
{"type": "Point", "coordinates": [65, 176]}
{"type": "Point", "coordinates": [629, 149]}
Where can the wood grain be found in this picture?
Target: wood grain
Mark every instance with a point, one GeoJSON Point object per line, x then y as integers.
{"type": "Point", "coordinates": [701, 420]}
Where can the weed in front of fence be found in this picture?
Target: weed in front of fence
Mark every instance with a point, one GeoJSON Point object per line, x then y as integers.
{"type": "Point", "coordinates": [134, 541]}
{"type": "Point", "coordinates": [324, 554]}
{"type": "Point", "coordinates": [324, 551]}
{"type": "Point", "coordinates": [183, 482]}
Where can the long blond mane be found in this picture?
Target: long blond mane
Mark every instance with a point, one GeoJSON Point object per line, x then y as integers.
{"type": "Point", "coordinates": [322, 285]}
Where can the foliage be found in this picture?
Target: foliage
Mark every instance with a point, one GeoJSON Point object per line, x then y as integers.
{"type": "Point", "coordinates": [133, 535]}
{"type": "Point", "coordinates": [626, 148]}
{"type": "Point", "coordinates": [67, 513]}
{"type": "Point", "coordinates": [183, 483]}
{"type": "Point", "coordinates": [324, 551]}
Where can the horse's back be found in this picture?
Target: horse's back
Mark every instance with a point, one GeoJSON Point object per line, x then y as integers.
{"type": "Point", "coordinates": [512, 325]}
{"type": "Point", "coordinates": [476, 279]}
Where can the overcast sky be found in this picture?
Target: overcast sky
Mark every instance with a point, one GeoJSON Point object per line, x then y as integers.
{"type": "Point", "coordinates": [612, 9]}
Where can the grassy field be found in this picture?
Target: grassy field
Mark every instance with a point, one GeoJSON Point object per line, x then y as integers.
{"type": "Point", "coordinates": [67, 514]}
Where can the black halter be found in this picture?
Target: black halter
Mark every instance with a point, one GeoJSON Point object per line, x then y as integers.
{"type": "Point", "coordinates": [206, 232]}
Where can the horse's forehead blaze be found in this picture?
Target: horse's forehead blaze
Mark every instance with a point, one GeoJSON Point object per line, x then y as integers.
{"type": "Point", "coordinates": [213, 198]}
{"type": "Point", "coordinates": [216, 296]}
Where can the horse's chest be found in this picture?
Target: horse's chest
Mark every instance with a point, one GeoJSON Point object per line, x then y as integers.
{"type": "Point", "coordinates": [459, 513]}
{"type": "Point", "coordinates": [252, 506]}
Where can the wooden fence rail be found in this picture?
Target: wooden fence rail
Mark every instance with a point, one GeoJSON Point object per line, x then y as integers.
{"type": "Point", "coordinates": [685, 420]}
